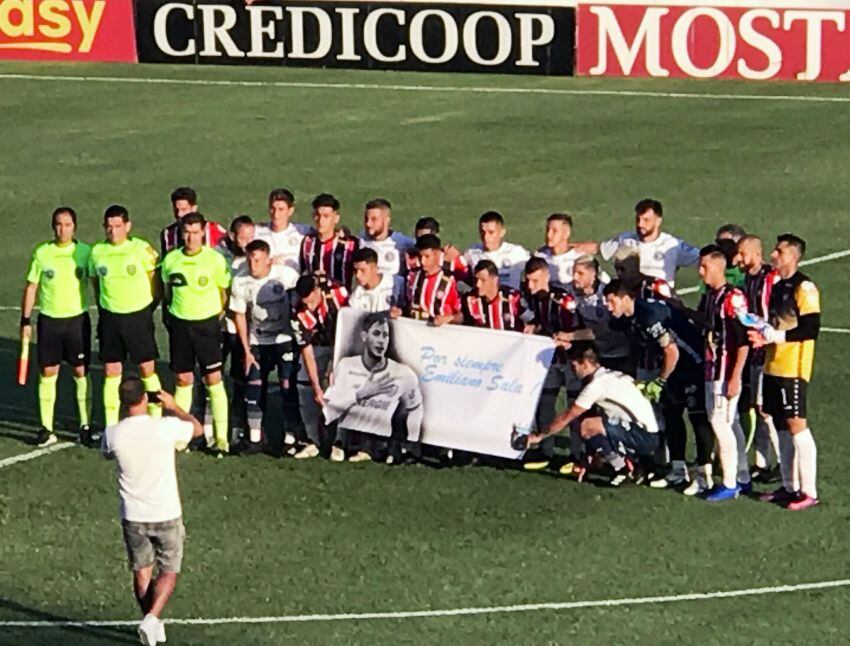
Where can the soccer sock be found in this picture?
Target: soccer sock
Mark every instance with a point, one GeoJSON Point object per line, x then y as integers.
{"type": "Point", "coordinates": [762, 444]}
{"type": "Point", "coordinates": [81, 386]}
{"type": "Point", "coordinates": [704, 476]}
{"type": "Point", "coordinates": [183, 397]}
{"type": "Point", "coordinates": [679, 467]}
{"type": "Point", "coordinates": [255, 413]}
{"type": "Point", "coordinates": [787, 460]}
{"type": "Point", "coordinates": [741, 443]}
{"type": "Point", "coordinates": [152, 385]}
{"type": "Point", "coordinates": [218, 401]}
{"type": "Point", "coordinates": [728, 451]}
{"type": "Point", "coordinates": [47, 400]}
{"type": "Point", "coordinates": [774, 440]}
{"type": "Point", "coordinates": [111, 401]}
{"type": "Point", "coordinates": [807, 453]}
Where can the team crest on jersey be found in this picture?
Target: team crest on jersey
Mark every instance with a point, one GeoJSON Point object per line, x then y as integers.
{"type": "Point", "coordinates": [390, 256]}
{"type": "Point", "coordinates": [203, 280]}
{"type": "Point", "coordinates": [659, 255]}
{"type": "Point", "coordinates": [49, 274]}
{"type": "Point", "coordinates": [131, 270]}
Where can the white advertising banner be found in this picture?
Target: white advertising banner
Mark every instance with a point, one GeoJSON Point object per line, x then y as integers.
{"type": "Point", "coordinates": [451, 386]}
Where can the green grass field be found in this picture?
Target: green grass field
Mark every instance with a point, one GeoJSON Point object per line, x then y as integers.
{"type": "Point", "coordinates": [271, 537]}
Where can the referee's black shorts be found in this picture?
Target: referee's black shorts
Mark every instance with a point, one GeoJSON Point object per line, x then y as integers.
{"type": "Point", "coordinates": [123, 335]}
{"type": "Point", "coordinates": [191, 342]}
{"type": "Point", "coordinates": [65, 339]}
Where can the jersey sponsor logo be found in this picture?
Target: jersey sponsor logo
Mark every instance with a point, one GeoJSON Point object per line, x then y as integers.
{"type": "Point", "coordinates": [177, 280]}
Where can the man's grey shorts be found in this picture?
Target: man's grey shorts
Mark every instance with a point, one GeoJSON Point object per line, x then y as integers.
{"type": "Point", "coordinates": [154, 542]}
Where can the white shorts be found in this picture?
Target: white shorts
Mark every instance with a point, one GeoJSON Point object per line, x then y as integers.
{"type": "Point", "coordinates": [720, 408]}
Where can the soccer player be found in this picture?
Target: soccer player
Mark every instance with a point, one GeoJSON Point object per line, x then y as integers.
{"type": "Point", "coordinates": [283, 235]}
{"type": "Point", "coordinates": [371, 391]}
{"type": "Point", "coordinates": [431, 292]}
{"type": "Point", "coordinates": [184, 200]}
{"type": "Point", "coordinates": [328, 250]}
{"type": "Point", "coordinates": [261, 307]}
{"type": "Point", "coordinates": [314, 327]}
{"type": "Point", "coordinates": [453, 261]}
{"type": "Point", "coordinates": [611, 412]}
{"type": "Point", "coordinates": [374, 290]}
{"type": "Point", "coordinates": [509, 258]}
{"type": "Point", "coordinates": [627, 266]}
{"type": "Point", "coordinates": [792, 327]}
{"type": "Point", "coordinates": [196, 279]}
{"type": "Point", "coordinates": [123, 268]}
{"type": "Point", "coordinates": [759, 279]}
{"type": "Point", "coordinates": [654, 326]}
{"type": "Point", "coordinates": [586, 287]}
{"type": "Point", "coordinates": [723, 308]}
{"type": "Point", "coordinates": [661, 254]}
{"type": "Point", "coordinates": [56, 278]}
{"type": "Point", "coordinates": [151, 514]}
{"type": "Point", "coordinates": [558, 251]}
{"type": "Point", "coordinates": [490, 304]}
{"type": "Point", "coordinates": [391, 246]}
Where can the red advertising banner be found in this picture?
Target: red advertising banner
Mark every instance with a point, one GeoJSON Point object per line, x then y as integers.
{"type": "Point", "coordinates": [708, 41]}
{"type": "Point", "coordinates": [73, 30]}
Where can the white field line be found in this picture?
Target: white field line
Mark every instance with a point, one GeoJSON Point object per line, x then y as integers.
{"type": "Point", "coordinates": [449, 612]}
{"type": "Point", "coordinates": [32, 455]}
{"type": "Point", "coordinates": [395, 87]}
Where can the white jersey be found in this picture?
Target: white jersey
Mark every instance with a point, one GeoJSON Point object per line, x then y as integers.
{"type": "Point", "coordinates": [392, 251]}
{"type": "Point", "coordinates": [387, 294]}
{"type": "Point", "coordinates": [285, 245]}
{"type": "Point", "coordinates": [596, 317]}
{"type": "Point", "coordinates": [660, 258]}
{"type": "Point", "coordinates": [509, 258]}
{"type": "Point", "coordinates": [373, 415]}
{"type": "Point", "coordinates": [266, 304]}
{"type": "Point", "coordinates": [560, 265]}
{"type": "Point", "coordinates": [619, 398]}
{"type": "Point", "coordinates": [144, 449]}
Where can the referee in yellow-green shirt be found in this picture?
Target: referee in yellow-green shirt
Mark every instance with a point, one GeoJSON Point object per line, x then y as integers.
{"type": "Point", "coordinates": [56, 278]}
{"type": "Point", "coordinates": [123, 268]}
{"type": "Point", "coordinates": [195, 280]}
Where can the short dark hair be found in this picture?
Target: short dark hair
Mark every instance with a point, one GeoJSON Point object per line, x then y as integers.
{"type": "Point", "coordinates": [365, 254]}
{"type": "Point", "coordinates": [560, 217]}
{"type": "Point", "coordinates": [427, 223]}
{"type": "Point", "coordinates": [491, 216]}
{"type": "Point", "coordinates": [713, 250]}
{"type": "Point", "coordinates": [131, 392]}
{"type": "Point", "coordinates": [619, 287]}
{"type": "Point", "coordinates": [793, 241]}
{"type": "Point", "coordinates": [184, 193]}
{"type": "Point", "coordinates": [647, 204]}
{"type": "Point", "coordinates": [373, 318]}
{"type": "Point", "coordinates": [734, 231]}
{"type": "Point", "coordinates": [116, 211]}
{"type": "Point", "coordinates": [325, 199]}
{"type": "Point", "coordinates": [536, 263]}
{"type": "Point", "coordinates": [281, 195]}
{"type": "Point", "coordinates": [729, 248]}
{"type": "Point", "coordinates": [584, 351]}
{"type": "Point", "coordinates": [240, 221]}
{"type": "Point", "coordinates": [192, 218]}
{"type": "Point", "coordinates": [379, 203]}
{"type": "Point", "coordinates": [257, 245]}
{"type": "Point", "coordinates": [59, 211]}
{"type": "Point", "coordinates": [487, 265]}
{"type": "Point", "coordinates": [305, 285]}
{"type": "Point", "coordinates": [428, 241]}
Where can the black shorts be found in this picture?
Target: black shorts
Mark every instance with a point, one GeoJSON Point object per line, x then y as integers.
{"type": "Point", "coordinates": [66, 339]}
{"type": "Point", "coordinates": [685, 389]}
{"type": "Point", "coordinates": [130, 334]}
{"type": "Point", "coordinates": [784, 397]}
{"type": "Point", "coordinates": [278, 356]}
{"type": "Point", "coordinates": [191, 342]}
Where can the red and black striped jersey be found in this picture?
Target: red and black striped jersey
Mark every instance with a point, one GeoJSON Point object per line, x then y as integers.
{"type": "Point", "coordinates": [331, 258]}
{"type": "Point", "coordinates": [318, 326]}
{"type": "Point", "coordinates": [657, 288]}
{"type": "Point", "coordinates": [724, 333]}
{"type": "Point", "coordinates": [433, 295]}
{"type": "Point", "coordinates": [758, 288]}
{"type": "Point", "coordinates": [554, 311]}
{"type": "Point", "coordinates": [171, 236]}
{"type": "Point", "coordinates": [502, 313]}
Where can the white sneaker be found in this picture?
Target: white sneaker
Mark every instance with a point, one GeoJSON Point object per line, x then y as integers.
{"type": "Point", "coordinates": [309, 451]}
{"type": "Point", "coordinates": [48, 441]}
{"type": "Point", "coordinates": [288, 439]}
{"type": "Point", "coordinates": [160, 634]}
{"type": "Point", "coordinates": [360, 456]}
{"type": "Point", "coordinates": [337, 454]}
{"type": "Point", "coordinates": [672, 480]}
{"type": "Point", "coordinates": [149, 630]}
{"type": "Point", "coordinates": [694, 489]}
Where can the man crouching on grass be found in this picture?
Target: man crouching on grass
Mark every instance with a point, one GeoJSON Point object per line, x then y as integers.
{"type": "Point", "coordinates": [151, 515]}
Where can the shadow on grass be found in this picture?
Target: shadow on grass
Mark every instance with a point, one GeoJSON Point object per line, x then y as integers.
{"type": "Point", "coordinates": [58, 634]}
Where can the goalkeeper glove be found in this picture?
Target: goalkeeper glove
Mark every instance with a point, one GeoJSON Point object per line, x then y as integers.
{"type": "Point", "coordinates": [652, 389]}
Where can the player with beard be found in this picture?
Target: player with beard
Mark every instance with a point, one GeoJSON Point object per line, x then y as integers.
{"type": "Point", "coordinates": [391, 246]}
{"type": "Point", "coordinates": [282, 234]}
{"type": "Point", "coordinates": [508, 257]}
{"type": "Point", "coordinates": [329, 250]}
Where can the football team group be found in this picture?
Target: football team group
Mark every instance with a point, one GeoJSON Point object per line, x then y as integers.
{"type": "Point", "coordinates": [260, 298]}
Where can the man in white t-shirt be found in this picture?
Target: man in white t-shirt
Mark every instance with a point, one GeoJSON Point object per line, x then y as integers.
{"type": "Point", "coordinates": [151, 514]}
{"type": "Point", "coordinates": [391, 246]}
{"type": "Point", "coordinates": [283, 235]}
{"type": "Point", "coordinates": [661, 254]}
{"type": "Point", "coordinates": [616, 420]}
{"type": "Point", "coordinates": [509, 258]}
{"type": "Point", "coordinates": [374, 290]}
